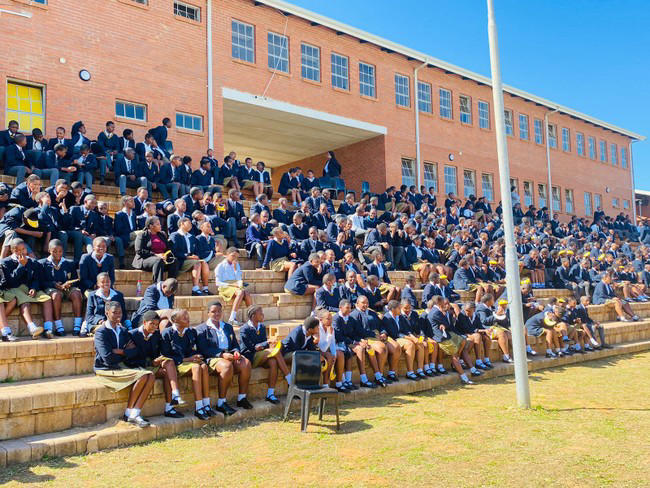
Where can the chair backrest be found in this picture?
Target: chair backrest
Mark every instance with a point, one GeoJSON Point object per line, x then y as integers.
{"type": "Point", "coordinates": [306, 370]}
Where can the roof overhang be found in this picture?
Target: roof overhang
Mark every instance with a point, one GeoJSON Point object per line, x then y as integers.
{"type": "Point", "coordinates": [279, 133]}
{"type": "Point", "coordinates": [413, 55]}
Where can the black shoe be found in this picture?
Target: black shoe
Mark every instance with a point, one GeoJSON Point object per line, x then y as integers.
{"type": "Point", "coordinates": [381, 382]}
{"type": "Point", "coordinates": [422, 375]}
{"type": "Point", "coordinates": [444, 371]}
{"type": "Point", "coordinates": [482, 366]}
{"type": "Point", "coordinates": [350, 386]}
{"type": "Point", "coordinates": [245, 404]}
{"type": "Point", "coordinates": [59, 333]}
{"type": "Point", "coordinates": [201, 415]}
{"type": "Point", "coordinates": [412, 377]}
{"type": "Point", "coordinates": [172, 413]}
{"type": "Point", "coordinates": [209, 411]}
{"type": "Point", "coordinates": [561, 354]}
{"type": "Point", "coordinates": [272, 399]}
{"type": "Point", "coordinates": [476, 373]}
{"type": "Point", "coordinates": [429, 372]}
{"type": "Point", "coordinates": [551, 355]}
{"type": "Point", "coordinates": [343, 389]}
{"type": "Point", "coordinates": [139, 421]}
{"type": "Point", "coordinates": [489, 365]}
{"type": "Point", "coordinates": [607, 346]}
{"type": "Point", "coordinates": [76, 332]}
{"type": "Point", "coordinates": [197, 293]}
{"type": "Point", "coordinates": [392, 377]}
{"type": "Point", "coordinates": [225, 409]}
{"type": "Point", "coordinates": [368, 384]}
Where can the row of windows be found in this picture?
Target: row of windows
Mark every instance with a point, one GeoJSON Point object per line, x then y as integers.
{"type": "Point", "coordinates": [181, 9]}
{"type": "Point", "coordinates": [595, 201]}
{"type": "Point", "coordinates": [138, 112]}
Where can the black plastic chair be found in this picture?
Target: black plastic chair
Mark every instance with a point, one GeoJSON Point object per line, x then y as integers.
{"type": "Point", "coordinates": [305, 384]}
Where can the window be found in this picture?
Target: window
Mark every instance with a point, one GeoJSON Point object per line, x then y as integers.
{"type": "Point", "coordinates": [424, 97]}
{"type": "Point", "coordinates": [408, 173]}
{"type": "Point", "coordinates": [614, 154]}
{"type": "Point", "coordinates": [588, 208]}
{"type": "Point", "coordinates": [487, 187]}
{"type": "Point", "coordinates": [626, 204]}
{"type": "Point", "coordinates": [508, 120]}
{"type": "Point", "coordinates": [603, 151]}
{"type": "Point", "coordinates": [431, 176]}
{"type": "Point", "coordinates": [310, 56]}
{"type": "Point", "coordinates": [44, 2]}
{"type": "Point", "coordinates": [402, 94]}
{"type": "Point", "coordinates": [556, 199]}
{"type": "Point", "coordinates": [465, 110]}
{"type": "Point", "coordinates": [523, 127]}
{"type": "Point", "coordinates": [483, 114]}
{"type": "Point", "coordinates": [614, 202]}
{"type": "Point", "coordinates": [566, 142]}
{"type": "Point", "coordinates": [539, 133]}
{"type": "Point", "coordinates": [592, 148]}
{"type": "Point", "coordinates": [367, 80]}
{"type": "Point", "coordinates": [340, 77]}
{"type": "Point", "coordinates": [568, 201]}
{"type": "Point", "coordinates": [187, 11]}
{"type": "Point", "coordinates": [451, 185]}
{"type": "Point", "coordinates": [128, 110]}
{"type": "Point", "coordinates": [552, 136]}
{"type": "Point", "coordinates": [623, 158]}
{"type": "Point", "coordinates": [598, 201]}
{"type": "Point", "coordinates": [445, 104]}
{"type": "Point", "coordinates": [514, 182]}
{"type": "Point", "coordinates": [528, 194]}
{"type": "Point", "coordinates": [243, 41]}
{"type": "Point", "coordinates": [541, 195]}
{"type": "Point", "coordinates": [25, 105]}
{"type": "Point", "coordinates": [189, 122]}
{"type": "Point", "coordinates": [469, 183]}
{"type": "Point", "coordinates": [278, 52]}
{"type": "Point", "coordinates": [580, 143]}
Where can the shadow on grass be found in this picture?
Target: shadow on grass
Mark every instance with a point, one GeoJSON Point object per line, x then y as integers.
{"type": "Point", "coordinates": [23, 473]}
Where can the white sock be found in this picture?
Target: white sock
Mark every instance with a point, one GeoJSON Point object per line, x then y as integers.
{"type": "Point", "coordinates": [205, 288]}
{"type": "Point", "coordinates": [409, 372]}
{"type": "Point", "coordinates": [6, 331]}
{"type": "Point", "coordinates": [348, 376]}
{"type": "Point", "coordinates": [441, 367]}
{"type": "Point", "coordinates": [176, 394]}
{"type": "Point", "coordinates": [557, 350]}
{"type": "Point", "coordinates": [233, 316]}
{"type": "Point", "coordinates": [391, 372]}
{"type": "Point", "coordinates": [594, 342]}
{"type": "Point", "coordinates": [241, 396]}
{"type": "Point", "coordinates": [58, 324]}
{"type": "Point", "coordinates": [473, 370]}
{"type": "Point", "coordinates": [288, 378]}
{"type": "Point", "coordinates": [206, 402]}
{"type": "Point", "coordinates": [486, 360]}
{"type": "Point", "coordinates": [479, 362]}
{"type": "Point", "coordinates": [464, 377]}
{"type": "Point", "coordinates": [419, 370]}
{"type": "Point", "coordinates": [195, 288]}
{"type": "Point", "coordinates": [549, 351]}
{"type": "Point", "coordinates": [220, 401]}
{"type": "Point", "coordinates": [168, 407]}
{"type": "Point", "coordinates": [32, 326]}
{"type": "Point", "coordinates": [198, 405]}
{"type": "Point", "coordinates": [135, 412]}
{"type": "Point", "coordinates": [270, 392]}
{"type": "Point", "coordinates": [577, 347]}
{"type": "Point", "coordinates": [127, 413]}
{"type": "Point", "coordinates": [506, 357]}
{"type": "Point", "coordinates": [377, 375]}
{"type": "Point", "coordinates": [364, 378]}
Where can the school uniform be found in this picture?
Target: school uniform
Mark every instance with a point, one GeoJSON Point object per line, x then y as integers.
{"type": "Point", "coordinates": [90, 267]}
{"type": "Point", "coordinates": [54, 141]}
{"type": "Point", "coordinates": [254, 240]}
{"type": "Point", "coordinates": [124, 169]}
{"type": "Point", "coordinates": [177, 347]}
{"type": "Point", "coordinates": [407, 294]}
{"type": "Point", "coordinates": [86, 166]}
{"type": "Point", "coordinates": [147, 347]}
{"type": "Point", "coordinates": [350, 294]}
{"type": "Point", "coordinates": [463, 278]}
{"type": "Point", "coordinates": [51, 274]}
{"type": "Point", "coordinates": [310, 246]}
{"type": "Point", "coordinates": [183, 245]}
{"type": "Point", "coordinates": [602, 293]}
{"type": "Point", "coordinates": [20, 195]}
{"type": "Point", "coordinates": [96, 307]}
{"type": "Point", "coordinates": [379, 270]}
{"type": "Point", "coordinates": [374, 297]}
{"type": "Point", "coordinates": [105, 341]}
{"type": "Point", "coordinates": [369, 323]}
{"type": "Point", "coordinates": [303, 276]}
{"type": "Point", "coordinates": [276, 250]}
{"type": "Point", "coordinates": [251, 338]}
{"type": "Point", "coordinates": [202, 178]}
{"type": "Point", "coordinates": [235, 210]}
{"type": "Point", "coordinates": [347, 331]}
{"type": "Point", "coordinates": [298, 233]}
{"type": "Point", "coordinates": [328, 299]}
{"type": "Point", "coordinates": [286, 184]}
{"type": "Point", "coordinates": [297, 340]}
{"type": "Point", "coordinates": [125, 144]}
{"type": "Point", "coordinates": [149, 171]}
{"type": "Point", "coordinates": [212, 340]}
{"type": "Point", "coordinates": [153, 299]}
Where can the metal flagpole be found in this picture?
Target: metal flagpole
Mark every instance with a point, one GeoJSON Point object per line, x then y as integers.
{"type": "Point", "coordinates": [512, 265]}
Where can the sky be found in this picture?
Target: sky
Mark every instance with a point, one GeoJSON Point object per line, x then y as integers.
{"type": "Point", "coordinates": [590, 55]}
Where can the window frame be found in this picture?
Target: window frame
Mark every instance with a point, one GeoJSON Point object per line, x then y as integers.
{"type": "Point", "coordinates": [602, 146]}
{"type": "Point", "coordinates": [490, 197]}
{"type": "Point", "coordinates": [337, 76]}
{"type": "Point", "coordinates": [426, 182]}
{"type": "Point", "coordinates": [278, 56]}
{"type": "Point", "coordinates": [423, 104]}
{"type": "Point", "coordinates": [442, 109]}
{"type": "Point", "coordinates": [543, 204]}
{"type": "Point", "coordinates": [593, 153]}
{"type": "Point", "coordinates": [567, 192]}
{"type": "Point", "coordinates": [135, 106]}
{"type": "Point", "coordinates": [455, 175]}
{"type": "Point", "coordinates": [472, 178]}
{"type": "Point", "coordinates": [597, 201]}
{"type": "Point", "coordinates": [510, 128]}
{"type": "Point", "coordinates": [588, 203]}
{"type": "Point", "coordinates": [402, 81]}
{"type": "Point", "coordinates": [524, 135]}
{"type": "Point", "coordinates": [580, 144]}
{"type": "Point", "coordinates": [559, 199]}
{"type": "Point", "coordinates": [615, 203]}
{"type": "Point", "coordinates": [613, 153]}
{"type": "Point", "coordinates": [18, 112]}
{"type": "Point", "coordinates": [566, 139]}
{"type": "Point", "coordinates": [188, 129]}
{"type": "Point", "coordinates": [410, 165]}
{"type": "Point", "coordinates": [552, 136]}
{"type": "Point", "coordinates": [305, 69]}
{"type": "Point", "coordinates": [538, 129]}
{"type": "Point", "coordinates": [486, 112]}
{"type": "Point", "coordinates": [244, 48]}
{"type": "Point", "coordinates": [363, 83]}
{"type": "Point", "coordinates": [187, 6]}
{"type": "Point", "coordinates": [529, 185]}
{"type": "Point", "coordinates": [467, 114]}
{"type": "Point", "coordinates": [623, 157]}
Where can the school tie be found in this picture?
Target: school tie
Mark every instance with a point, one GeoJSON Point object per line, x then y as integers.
{"type": "Point", "coordinates": [128, 166]}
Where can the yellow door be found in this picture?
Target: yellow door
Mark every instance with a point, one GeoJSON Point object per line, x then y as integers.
{"type": "Point", "coordinates": [25, 104]}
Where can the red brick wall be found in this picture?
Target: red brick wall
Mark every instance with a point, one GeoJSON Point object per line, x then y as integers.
{"type": "Point", "coordinates": [147, 55]}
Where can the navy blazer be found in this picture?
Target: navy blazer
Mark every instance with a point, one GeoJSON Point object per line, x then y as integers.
{"type": "Point", "coordinates": [332, 168]}
{"type": "Point", "coordinates": [283, 216]}
{"type": "Point", "coordinates": [96, 311]}
{"type": "Point", "coordinates": [297, 341]}
{"type": "Point", "coordinates": [436, 318]}
{"type": "Point", "coordinates": [369, 323]}
{"type": "Point", "coordinates": [235, 210]}
{"type": "Point", "coordinates": [89, 269]}
{"type": "Point", "coordinates": [602, 293]}
{"type": "Point", "coordinates": [327, 300]}
{"type": "Point", "coordinates": [200, 179]}
{"type": "Point", "coordinates": [179, 245]}
{"type": "Point", "coordinates": [309, 246]}
{"type": "Point", "coordinates": [54, 141]}
{"type": "Point", "coordinates": [52, 160]}
{"type": "Point", "coordinates": [105, 341]}
{"type": "Point", "coordinates": [275, 250]}
{"type": "Point", "coordinates": [15, 157]}
{"type": "Point", "coordinates": [52, 220]}
{"type": "Point", "coordinates": [412, 255]}
{"type": "Point", "coordinates": [104, 226]}
{"type": "Point", "coordinates": [129, 144]}
{"type": "Point", "coordinates": [303, 276]}
{"type": "Point", "coordinates": [13, 274]}
{"type": "Point", "coordinates": [562, 277]}
{"type": "Point", "coordinates": [147, 350]}
{"type": "Point", "coordinates": [49, 275]}
{"type": "Point", "coordinates": [463, 278]}
{"type": "Point", "coordinates": [106, 143]}
{"type": "Point", "coordinates": [347, 332]}
{"type": "Point", "coordinates": [253, 236]}
{"type": "Point", "coordinates": [251, 338]}
{"type": "Point", "coordinates": [81, 221]}
{"type": "Point", "coordinates": [579, 274]}
{"type": "Point", "coordinates": [90, 163]}
{"type": "Point", "coordinates": [373, 269]}
{"type": "Point", "coordinates": [149, 302]}
{"type": "Point", "coordinates": [207, 342]}
{"type": "Point", "coordinates": [177, 347]}
{"type": "Point", "coordinates": [298, 234]}
{"type": "Point", "coordinates": [150, 172]}
{"type": "Point", "coordinates": [467, 326]}
{"type": "Point", "coordinates": [20, 195]}
{"type": "Point", "coordinates": [390, 327]}
{"type": "Point", "coordinates": [286, 183]}
{"type": "Point", "coordinates": [407, 294]}
{"type": "Point", "coordinates": [160, 135]}
{"type": "Point", "coordinates": [485, 315]}
{"type": "Point", "coordinates": [122, 227]}
{"type": "Point", "coordinates": [121, 168]}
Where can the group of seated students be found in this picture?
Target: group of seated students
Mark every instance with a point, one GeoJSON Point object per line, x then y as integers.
{"type": "Point", "coordinates": [341, 257]}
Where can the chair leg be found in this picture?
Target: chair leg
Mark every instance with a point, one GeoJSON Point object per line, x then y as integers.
{"type": "Point", "coordinates": [321, 407]}
{"type": "Point", "coordinates": [287, 403]}
{"type": "Point", "coordinates": [305, 414]}
{"type": "Point", "coordinates": [336, 409]}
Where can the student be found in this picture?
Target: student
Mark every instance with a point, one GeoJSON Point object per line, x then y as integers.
{"type": "Point", "coordinates": [496, 325]}
{"type": "Point", "coordinates": [419, 259]}
{"type": "Point", "coordinates": [78, 137]}
{"type": "Point", "coordinates": [58, 277]}
{"type": "Point", "coordinates": [86, 164]}
{"type": "Point", "coordinates": [582, 314]}
{"type": "Point", "coordinates": [262, 180]}
{"type": "Point", "coordinates": [543, 323]}
{"type": "Point", "coordinates": [180, 207]}
{"type": "Point", "coordinates": [411, 330]}
{"type": "Point", "coordinates": [206, 250]}
{"type": "Point", "coordinates": [95, 307]}
{"type": "Point", "coordinates": [153, 251]}
{"type": "Point", "coordinates": [184, 245]}
{"type": "Point", "coordinates": [373, 292]}
{"type": "Point", "coordinates": [289, 187]}
{"type": "Point", "coordinates": [126, 172]}
{"type": "Point", "coordinates": [279, 256]}
{"type": "Point", "coordinates": [230, 284]}
{"type": "Point", "coordinates": [91, 264]}
{"type": "Point", "coordinates": [109, 145]}
{"type": "Point", "coordinates": [20, 286]}
{"type": "Point", "coordinates": [604, 294]}
{"type": "Point", "coordinates": [305, 280]}
{"type": "Point", "coordinates": [255, 240]}
{"type": "Point", "coordinates": [203, 177]}
{"type": "Point", "coordinates": [147, 340]}
{"type": "Point", "coordinates": [217, 343]}
{"type": "Point", "coordinates": [160, 298]}
{"type": "Point", "coordinates": [160, 133]}
{"type": "Point", "coordinates": [125, 227]}
{"type": "Point", "coordinates": [328, 296]}
{"type": "Point", "coordinates": [334, 358]}
{"type": "Point", "coordinates": [126, 141]}
{"type": "Point", "coordinates": [260, 352]}
{"type": "Point", "coordinates": [149, 170]}
{"type": "Point", "coordinates": [83, 226]}
{"type": "Point", "coordinates": [407, 292]}
{"type": "Point", "coordinates": [113, 344]}
{"type": "Point", "coordinates": [235, 216]}
{"type": "Point", "coordinates": [228, 175]}
{"type": "Point", "coordinates": [60, 157]}
{"type": "Point", "coordinates": [301, 338]}
{"type": "Point", "coordinates": [179, 344]}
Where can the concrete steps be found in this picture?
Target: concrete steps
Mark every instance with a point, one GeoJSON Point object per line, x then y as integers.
{"type": "Point", "coordinates": [112, 433]}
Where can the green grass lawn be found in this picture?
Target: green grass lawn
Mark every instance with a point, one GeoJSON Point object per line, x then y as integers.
{"type": "Point", "coordinates": [590, 426]}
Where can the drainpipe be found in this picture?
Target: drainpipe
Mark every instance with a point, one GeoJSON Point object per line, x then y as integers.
{"type": "Point", "coordinates": [549, 190]}
{"type": "Point", "coordinates": [208, 24]}
{"type": "Point", "coordinates": [417, 125]}
{"type": "Point", "coordinates": [629, 150]}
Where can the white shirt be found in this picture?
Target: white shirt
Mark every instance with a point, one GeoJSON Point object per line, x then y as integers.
{"type": "Point", "coordinates": [226, 272]}
{"type": "Point", "coordinates": [116, 331]}
{"type": "Point", "coordinates": [221, 335]}
{"type": "Point", "coordinates": [100, 293]}
{"type": "Point", "coordinates": [100, 261]}
{"type": "Point", "coordinates": [144, 333]}
{"type": "Point", "coordinates": [80, 141]}
{"type": "Point", "coordinates": [186, 236]}
{"type": "Point", "coordinates": [128, 215]}
{"type": "Point", "coordinates": [163, 301]}
{"type": "Point", "coordinates": [357, 222]}
{"type": "Point", "coordinates": [326, 340]}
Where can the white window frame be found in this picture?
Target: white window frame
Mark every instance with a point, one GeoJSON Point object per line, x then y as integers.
{"type": "Point", "coordinates": [408, 172]}
{"type": "Point", "coordinates": [614, 202]}
{"type": "Point", "coordinates": [592, 148]}
{"type": "Point", "coordinates": [589, 208]}
{"type": "Point", "coordinates": [340, 66]}
{"type": "Point", "coordinates": [598, 201]}
{"type": "Point", "coordinates": [182, 9]}
{"type": "Point", "coordinates": [613, 152]}
{"type": "Point", "coordinates": [529, 193]}
{"type": "Point", "coordinates": [193, 118]}
{"type": "Point", "coordinates": [556, 199]}
{"type": "Point", "coordinates": [242, 42]}
{"type": "Point", "coordinates": [626, 204]}
{"type": "Point", "coordinates": [430, 176]}
{"type": "Point", "coordinates": [524, 133]}
{"type": "Point", "coordinates": [425, 97]}
{"type": "Point", "coordinates": [580, 143]}
{"type": "Point", "coordinates": [469, 175]}
{"type": "Point", "coordinates": [278, 52]}
{"type": "Point", "coordinates": [552, 136]}
{"type": "Point", "coordinates": [542, 195]}
{"type": "Point", "coordinates": [446, 108]}
{"type": "Point", "coordinates": [402, 90]}
{"type": "Point", "coordinates": [508, 122]}
{"type": "Point", "coordinates": [623, 157]}
{"type": "Point", "coordinates": [566, 139]}
{"type": "Point", "coordinates": [483, 114]}
{"type": "Point", "coordinates": [487, 186]}
{"type": "Point", "coordinates": [135, 107]}
{"type": "Point", "coordinates": [538, 127]}
{"type": "Point", "coordinates": [568, 201]}
{"type": "Point", "coordinates": [465, 112]}
{"type": "Point", "coordinates": [310, 62]}
{"type": "Point", "coordinates": [367, 80]}
{"type": "Point", "coordinates": [603, 151]}
{"type": "Point", "coordinates": [451, 179]}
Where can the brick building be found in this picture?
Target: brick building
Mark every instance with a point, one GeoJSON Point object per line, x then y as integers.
{"type": "Point", "coordinates": [287, 85]}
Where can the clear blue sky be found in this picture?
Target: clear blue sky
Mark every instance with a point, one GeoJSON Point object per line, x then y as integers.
{"type": "Point", "coordinates": [590, 55]}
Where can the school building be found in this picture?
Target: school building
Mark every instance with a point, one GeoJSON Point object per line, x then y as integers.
{"type": "Point", "coordinates": [284, 85]}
